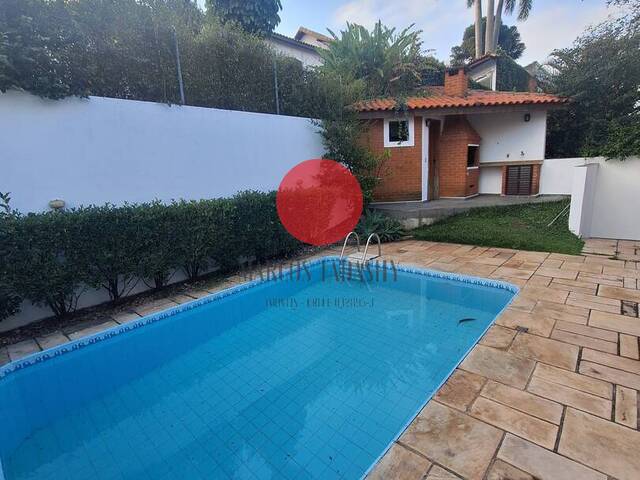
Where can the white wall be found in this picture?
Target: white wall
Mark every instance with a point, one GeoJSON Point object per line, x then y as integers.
{"type": "Point", "coordinates": [605, 198]}
{"type": "Point", "coordinates": [556, 175]}
{"type": "Point", "coordinates": [490, 181]}
{"type": "Point", "coordinates": [99, 150]}
{"type": "Point", "coordinates": [307, 57]}
{"type": "Point", "coordinates": [507, 137]}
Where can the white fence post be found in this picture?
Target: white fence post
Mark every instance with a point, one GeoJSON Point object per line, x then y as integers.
{"type": "Point", "coordinates": [582, 194]}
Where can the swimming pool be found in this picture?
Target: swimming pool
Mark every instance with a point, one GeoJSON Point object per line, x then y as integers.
{"type": "Point", "coordinates": [309, 375]}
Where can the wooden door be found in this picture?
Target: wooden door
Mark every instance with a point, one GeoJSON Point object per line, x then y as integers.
{"type": "Point", "coordinates": [519, 179]}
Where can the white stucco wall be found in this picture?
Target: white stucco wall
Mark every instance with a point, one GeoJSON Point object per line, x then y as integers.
{"type": "Point", "coordinates": [507, 137]}
{"type": "Point", "coordinates": [307, 57]}
{"type": "Point", "coordinates": [99, 150]}
{"type": "Point", "coordinates": [556, 175]}
{"type": "Point", "coordinates": [490, 181]}
{"type": "Point", "coordinates": [604, 202]}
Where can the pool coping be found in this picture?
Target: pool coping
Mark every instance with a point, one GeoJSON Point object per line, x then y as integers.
{"type": "Point", "coordinates": [49, 354]}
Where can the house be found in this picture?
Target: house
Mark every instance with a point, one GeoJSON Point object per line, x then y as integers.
{"type": "Point", "coordinates": [500, 72]}
{"type": "Point", "coordinates": [304, 45]}
{"type": "Point", "coordinates": [454, 142]}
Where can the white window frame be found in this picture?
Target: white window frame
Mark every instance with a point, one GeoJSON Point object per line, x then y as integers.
{"type": "Point", "coordinates": [409, 143]}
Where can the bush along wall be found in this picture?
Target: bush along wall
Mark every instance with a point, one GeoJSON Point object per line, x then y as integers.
{"type": "Point", "coordinates": [50, 259]}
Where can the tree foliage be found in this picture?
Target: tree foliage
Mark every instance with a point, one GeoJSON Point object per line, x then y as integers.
{"type": "Point", "coordinates": [509, 43]}
{"type": "Point", "coordinates": [126, 49]}
{"type": "Point", "coordinates": [385, 62]}
{"type": "Point", "coordinates": [255, 16]}
{"type": "Point", "coordinates": [600, 73]}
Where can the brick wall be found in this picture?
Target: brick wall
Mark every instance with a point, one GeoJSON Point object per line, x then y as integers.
{"type": "Point", "coordinates": [535, 179]}
{"type": "Point", "coordinates": [456, 82]}
{"type": "Point", "coordinates": [402, 172]}
{"type": "Point", "coordinates": [455, 179]}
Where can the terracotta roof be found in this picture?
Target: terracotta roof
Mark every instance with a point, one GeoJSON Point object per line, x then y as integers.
{"type": "Point", "coordinates": [435, 98]}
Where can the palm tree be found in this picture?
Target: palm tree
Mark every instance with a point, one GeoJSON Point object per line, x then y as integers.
{"type": "Point", "coordinates": [524, 8]}
{"type": "Point", "coordinates": [478, 25]}
{"type": "Point", "coordinates": [494, 21]}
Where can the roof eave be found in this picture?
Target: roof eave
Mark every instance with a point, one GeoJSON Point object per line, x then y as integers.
{"type": "Point", "coordinates": [378, 113]}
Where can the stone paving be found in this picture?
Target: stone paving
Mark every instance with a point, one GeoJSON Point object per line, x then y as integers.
{"type": "Point", "coordinates": [549, 393]}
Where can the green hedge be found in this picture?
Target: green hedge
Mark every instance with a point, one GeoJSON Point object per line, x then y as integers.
{"type": "Point", "coordinates": [51, 258]}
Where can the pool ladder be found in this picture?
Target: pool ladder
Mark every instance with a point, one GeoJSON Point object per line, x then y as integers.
{"type": "Point", "coordinates": [365, 257]}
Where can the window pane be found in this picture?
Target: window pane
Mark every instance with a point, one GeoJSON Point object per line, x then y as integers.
{"type": "Point", "coordinates": [472, 156]}
{"type": "Point", "coordinates": [399, 131]}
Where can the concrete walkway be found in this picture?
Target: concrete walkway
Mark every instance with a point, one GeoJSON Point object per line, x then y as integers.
{"type": "Point", "coordinates": [415, 214]}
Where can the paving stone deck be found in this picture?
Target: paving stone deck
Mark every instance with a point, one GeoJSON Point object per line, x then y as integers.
{"type": "Point", "coordinates": [549, 393]}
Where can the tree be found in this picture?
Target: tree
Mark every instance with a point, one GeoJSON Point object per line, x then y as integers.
{"type": "Point", "coordinates": [494, 21]}
{"type": "Point", "coordinates": [386, 62]}
{"type": "Point", "coordinates": [600, 73]}
{"type": "Point", "coordinates": [255, 16]}
{"type": "Point", "coordinates": [509, 43]}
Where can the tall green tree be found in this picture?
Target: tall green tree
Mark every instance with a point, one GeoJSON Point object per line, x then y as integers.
{"type": "Point", "coordinates": [255, 16]}
{"type": "Point", "coordinates": [600, 72]}
{"type": "Point", "coordinates": [509, 42]}
{"type": "Point", "coordinates": [385, 61]}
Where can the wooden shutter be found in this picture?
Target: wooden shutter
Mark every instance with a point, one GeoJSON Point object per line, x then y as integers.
{"type": "Point", "coordinates": [519, 180]}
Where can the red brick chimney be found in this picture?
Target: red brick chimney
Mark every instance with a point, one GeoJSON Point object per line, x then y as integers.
{"type": "Point", "coordinates": [456, 82]}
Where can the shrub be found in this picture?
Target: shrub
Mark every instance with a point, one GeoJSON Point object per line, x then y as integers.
{"type": "Point", "coordinates": [43, 264]}
{"type": "Point", "coordinates": [9, 300]}
{"type": "Point", "coordinates": [259, 233]}
{"type": "Point", "coordinates": [51, 258]}
{"type": "Point", "coordinates": [204, 235]}
{"type": "Point", "coordinates": [112, 246]}
{"type": "Point", "coordinates": [389, 229]}
{"type": "Point", "coordinates": [159, 237]}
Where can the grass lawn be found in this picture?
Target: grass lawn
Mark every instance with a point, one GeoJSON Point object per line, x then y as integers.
{"type": "Point", "coordinates": [523, 227]}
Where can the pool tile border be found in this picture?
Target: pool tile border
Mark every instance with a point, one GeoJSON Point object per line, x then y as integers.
{"type": "Point", "coordinates": [60, 350]}
{"type": "Point", "coordinates": [72, 346]}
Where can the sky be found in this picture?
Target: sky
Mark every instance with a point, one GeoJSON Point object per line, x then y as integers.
{"type": "Point", "coordinates": [552, 23]}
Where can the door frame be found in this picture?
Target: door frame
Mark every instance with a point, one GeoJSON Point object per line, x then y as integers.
{"type": "Point", "coordinates": [426, 125]}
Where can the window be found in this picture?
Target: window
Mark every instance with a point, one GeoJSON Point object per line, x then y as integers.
{"type": "Point", "coordinates": [398, 132]}
{"type": "Point", "coordinates": [472, 156]}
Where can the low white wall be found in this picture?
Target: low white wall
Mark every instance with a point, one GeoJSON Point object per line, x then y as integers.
{"type": "Point", "coordinates": [556, 175]}
{"type": "Point", "coordinates": [99, 150]}
{"type": "Point", "coordinates": [102, 150]}
{"type": "Point", "coordinates": [604, 198]}
{"type": "Point", "coordinates": [507, 137]}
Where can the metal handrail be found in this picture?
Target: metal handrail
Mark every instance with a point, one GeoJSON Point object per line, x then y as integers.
{"type": "Point", "coordinates": [344, 246]}
{"type": "Point", "coordinates": [364, 255]}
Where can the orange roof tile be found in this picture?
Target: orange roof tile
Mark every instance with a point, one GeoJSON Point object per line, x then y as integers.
{"type": "Point", "coordinates": [435, 98]}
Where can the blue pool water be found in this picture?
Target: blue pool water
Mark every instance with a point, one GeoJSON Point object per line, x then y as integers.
{"type": "Point", "coordinates": [299, 378]}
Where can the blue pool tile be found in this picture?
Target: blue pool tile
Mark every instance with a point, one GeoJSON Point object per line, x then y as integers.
{"type": "Point", "coordinates": [233, 389]}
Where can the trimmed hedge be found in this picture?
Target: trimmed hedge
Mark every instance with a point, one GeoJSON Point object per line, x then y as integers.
{"type": "Point", "coordinates": [51, 258]}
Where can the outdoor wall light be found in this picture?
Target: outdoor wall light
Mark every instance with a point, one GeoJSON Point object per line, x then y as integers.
{"type": "Point", "coordinates": [57, 204]}
{"type": "Point", "coordinates": [527, 117]}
